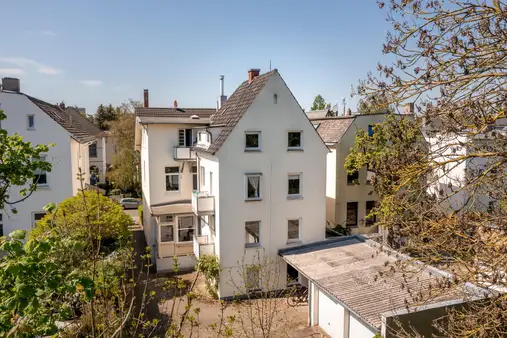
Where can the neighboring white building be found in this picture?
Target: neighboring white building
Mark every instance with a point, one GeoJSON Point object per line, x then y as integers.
{"type": "Point", "coordinates": [257, 171]}
{"type": "Point", "coordinates": [261, 180]}
{"type": "Point", "coordinates": [43, 123]}
{"type": "Point", "coordinates": [165, 137]}
{"type": "Point", "coordinates": [348, 298]}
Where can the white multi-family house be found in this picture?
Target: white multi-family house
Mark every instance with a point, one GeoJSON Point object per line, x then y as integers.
{"type": "Point", "coordinates": [261, 181]}
{"type": "Point", "coordinates": [350, 198]}
{"type": "Point", "coordinates": [42, 123]}
{"type": "Point", "coordinates": [165, 138]}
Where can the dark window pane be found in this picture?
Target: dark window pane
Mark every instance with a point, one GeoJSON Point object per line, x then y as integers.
{"type": "Point", "coordinates": [293, 229]}
{"type": "Point", "coordinates": [40, 178]}
{"type": "Point", "coordinates": [370, 205]}
{"type": "Point", "coordinates": [92, 150]}
{"type": "Point", "coordinates": [253, 190]}
{"type": "Point", "coordinates": [166, 233]}
{"type": "Point", "coordinates": [172, 170]}
{"type": "Point", "coordinates": [294, 185]}
{"type": "Point", "coordinates": [252, 141]}
{"type": "Point", "coordinates": [353, 178]}
{"type": "Point", "coordinates": [39, 216]}
{"type": "Point", "coordinates": [294, 139]}
{"type": "Point", "coordinates": [370, 130]}
{"type": "Point", "coordinates": [252, 232]}
{"type": "Point", "coordinates": [172, 182]}
{"type": "Point", "coordinates": [194, 182]}
{"type": "Point", "coordinates": [352, 213]}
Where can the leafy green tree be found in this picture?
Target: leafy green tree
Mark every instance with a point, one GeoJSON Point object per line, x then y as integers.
{"type": "Point", "coordinates": [124, 173]}
{"type": "Point", "coordinates": [88, 215]}
{"type": "Point", "coordinates": [19, 161]}
{"type": "Point", "coordinates": [319, 103]}
{"type": "Point", "coordinates": [104, 116]}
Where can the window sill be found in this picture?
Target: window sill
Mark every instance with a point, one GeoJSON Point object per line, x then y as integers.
{"type": "Point", "coordinates": [253, 199]}
{"type": "Point", "coordinates": [295, 149]}
{"type": "Point", "coordinates": [295, 197]}
{"type": "Point", "coordinates": [171, 191]}
{"type": "Point", "coordinates": [30, 129]}
{"type": "Point", "coordinates": [294, 241]}
{"type": "Point", "coordinates": [247, 150]}
{"type": "Point", "coordinates": [252, 245]}
{"type": "Point", "coordinates": [352, 226]}
{"type": "Point", "coordinates": [43, 187]}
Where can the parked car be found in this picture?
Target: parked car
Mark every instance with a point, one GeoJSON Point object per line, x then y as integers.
{"type": "Point", "coordinates": [129, 203]}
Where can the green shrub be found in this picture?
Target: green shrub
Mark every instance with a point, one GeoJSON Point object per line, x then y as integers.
{"type": "Point", "coordinates": [140, 213]}
{"type": "Point", "coordinates": [209, 265]}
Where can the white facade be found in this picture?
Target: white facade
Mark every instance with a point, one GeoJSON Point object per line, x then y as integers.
{"type": "Point", "coordinates": [272, 164]}
{"type": "Point", "coordinates": [66, 157]}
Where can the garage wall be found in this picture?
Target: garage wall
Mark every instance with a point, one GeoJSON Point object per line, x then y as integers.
{"type": "Point", "coordinates": [331, 316]}
{"type": "Point", "coordinates": [358, 330]}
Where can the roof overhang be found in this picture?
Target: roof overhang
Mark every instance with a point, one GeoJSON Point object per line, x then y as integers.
{"type": "Point", "coordinates": [178, 207]}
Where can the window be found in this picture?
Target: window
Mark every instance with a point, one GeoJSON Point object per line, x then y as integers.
{"type": "Point", "coordinates": [275, 98]}
{"type": "Point", "coordinates": [186, 228]}
{"type": "Point", "coordinates": [370, 130]}
{"type": "Point", "coordinates": [292, 275]}
{"type": "Point", "coordinates": [203, 176]}
{"type": "Point", "coordinates": [166, 233]}
{"type": "Point", "coordinates": [37, 216]}
{"type": "Point", "coordinates": [30, 122]}
{"type": "Point", "coordinates": [352, 213]}
{"type": "Point", "coordinates": [353, 179]}
{"type": "Point", "coordinates": [166, 228]}
{"type": "Point", "coordinates": [172, 178]}
{"type": "Point", "coordinates": [253, 140]}
{"type": "Point", "coordinates": [252, 280]}
{"type": "Point", "coordinates": [293, 230]}
{"type": "Point", "coordinates": [294, 185]}
{"type": "Point", "coordinates": [1, 225]}
{"type": "Point", "coordinates": [370, 176]}
{"type": "Point", "coordinates": [316, 125]}
{"type": "Point", "coordinates": [294, 140]}
{"type": "Point", "coordinates": [253, 187]}
{"type": "Point", "coordinates": [92, 150]}
{"type": "Point", "coordinates": [252, 234]}
{"type": "Point", "coordinates": [194, 178]}
{"type": "Point", "coordinates": [41, 177]}
{"type": "Point", "coordinates": [370, 205]}
{"type": "Point", "coordinates": [184, 137]}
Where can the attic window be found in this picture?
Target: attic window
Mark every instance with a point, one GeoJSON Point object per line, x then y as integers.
{"type": "Point", "coordinates": [275, 98]}
{"type": "Point", "coordinates": [316, 125]}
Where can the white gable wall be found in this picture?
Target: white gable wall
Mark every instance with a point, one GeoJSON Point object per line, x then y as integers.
{"type": "Point", "coordinates": [275, 162]}
{"type": "Point", "coordinates": [60, 185]}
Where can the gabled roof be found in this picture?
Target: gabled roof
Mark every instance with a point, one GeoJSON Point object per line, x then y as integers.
{"type": "Point", "coordinates": [83, 122]}
{"type": "Point", "coordinates": [174, 112]}
{"type": "Point", "coordinates": [235, 107]}
{"type": "Point", "coordinates": [319, 114]}
{"type": "Point", "coordinates": [73, 124]}
{"type": "Point", "coordinates": [331, 130]}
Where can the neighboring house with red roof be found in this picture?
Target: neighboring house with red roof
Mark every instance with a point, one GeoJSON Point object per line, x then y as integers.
{"type": "Point", "coordinates": [43, 123]}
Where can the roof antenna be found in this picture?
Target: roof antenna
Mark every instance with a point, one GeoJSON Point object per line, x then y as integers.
{"type": "Point", "coordinates": [269, 65]}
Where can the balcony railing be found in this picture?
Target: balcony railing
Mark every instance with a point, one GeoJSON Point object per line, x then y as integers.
{"type": "Point", "coordinates": [203, 203]}
{"type": "Point", "coordinates": [184, 154]}
{"type": "Point", "coordinates": [202, 246]}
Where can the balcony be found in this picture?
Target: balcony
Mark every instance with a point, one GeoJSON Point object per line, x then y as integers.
{"type": "Point", "coordinates": [202, 246]}
{"type": "Point", "coordinates": [203, 203]}
{"type": "Point", "coordinates": [184, 154]}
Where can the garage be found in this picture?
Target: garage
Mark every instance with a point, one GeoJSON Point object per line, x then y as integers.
{"type": "Point", "coordinates": [330, 316]}
{"type": "Point", "coordinates": [347, 299]}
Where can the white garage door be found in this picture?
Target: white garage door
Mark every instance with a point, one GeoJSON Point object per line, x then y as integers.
{"type": "Point", "coordinates": [331, 316]}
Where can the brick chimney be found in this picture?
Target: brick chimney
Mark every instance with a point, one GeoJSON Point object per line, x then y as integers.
{"type": "Point", "coordinates": [252, 74]}
{"type": "Point", "coordinates": [146, 99]}
{"type": "Point", "coordinates": [349, 112]}
{"type": "Point", "coordinates": [61, 105]}
{"type": "Point", "coordinates": [175, 104]}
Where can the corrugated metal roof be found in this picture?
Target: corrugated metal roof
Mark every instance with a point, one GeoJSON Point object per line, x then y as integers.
{"type": "Point", "coordinates": [346, 269]}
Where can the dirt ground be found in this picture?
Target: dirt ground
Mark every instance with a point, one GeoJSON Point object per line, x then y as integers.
{"type": "Point", "coordinates": [243, 317]}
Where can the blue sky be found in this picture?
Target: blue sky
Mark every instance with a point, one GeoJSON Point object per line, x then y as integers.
{"type": "Point", "coordinates": [92, 52]}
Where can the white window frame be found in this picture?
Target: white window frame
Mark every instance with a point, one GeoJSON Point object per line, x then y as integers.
{"type": "Point", "coordinates": [33, 216]}
{"type": "Point", "coordinates": [298, 239]}
{"type": "Point", "coordinates": [259, 141]}
{"type": "Point", "coordinates": [259, 197]}
{"type": "Point", "coordinates": [28, 127]}
{"type": "Point", "coordinates": [202, 176]}
{"type": "Point", "coordinates": [39, 171]}
{"type": "Point", "coordinates": [177, 232]}
{"type": "Point", "coordinates": [300, 194]}
{"type": "Point", "coordinates": [172, 174]}
{"type": "Point", "coordinates": [166, 223]}
{"type": "Point", "coordinates": [300, 147]}
{"type": "Point", "coordinates": [254, 244]}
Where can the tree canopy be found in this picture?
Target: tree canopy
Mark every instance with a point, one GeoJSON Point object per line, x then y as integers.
{"type": "Point", "coordinates": [104, 116]}
{"type": "Point", "coordinates": [450, 61]}
{"type": "Point", "coordinates": [319, 103]}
